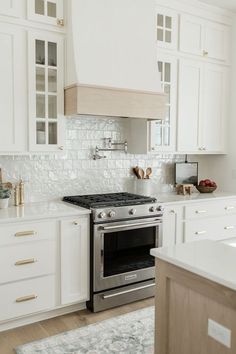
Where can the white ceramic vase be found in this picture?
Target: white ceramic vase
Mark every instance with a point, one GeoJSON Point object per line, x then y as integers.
{"type": "Point", "coordinates": [4, 203]}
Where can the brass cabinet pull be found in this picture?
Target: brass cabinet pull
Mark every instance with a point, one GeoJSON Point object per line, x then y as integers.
{"type": "Point", "coordinates": [200, 211]}
{"type": "Point", "coordinates": [25, 261]}
{"type": "Point", "coordinates": [205, 53]}
{"type": "Point", "coordinates": [25, 233]}
{"type": "Point", "coordinates": [229, 208]}
{"type": "Point", "coordinates": [26, 298]}
{"type": "Point", "coordinates": [200, 232]}
{"type": "Point", "coordinates": [229, 227]}
{"type": "Point", "coordinates": [60, 22]}
{"type": "Point", "coordinates": [76, 222]}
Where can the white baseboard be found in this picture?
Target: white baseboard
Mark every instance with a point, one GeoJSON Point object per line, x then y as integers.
{"type": "Point", "coordinates": [22, 321]}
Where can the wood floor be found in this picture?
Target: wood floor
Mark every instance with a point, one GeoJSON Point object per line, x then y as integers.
{"type": "Point", "coordinates": [12, 338]}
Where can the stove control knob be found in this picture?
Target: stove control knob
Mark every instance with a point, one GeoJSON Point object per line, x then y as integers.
{"type": "Point", "coordinates": [152, 209]}
{"type": "Point", "coordinates": [160, 208]}
{"type": "Point", "coordinates": [102, 215]}
{"type": "Point", "coordinates": [111, 214]}
{"type": "Point", "coordinates": [132, 211]}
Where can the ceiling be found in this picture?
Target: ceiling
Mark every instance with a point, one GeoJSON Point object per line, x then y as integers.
{"type": "Point", "coordinates": [226, 4]}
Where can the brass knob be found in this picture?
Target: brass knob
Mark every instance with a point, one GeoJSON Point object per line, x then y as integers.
{"type": "Point", "coordinates": [205, 53]}
{"type": "Point", "coordinates": [61, 147]}
{"type": "Point", "coordinates": [60, 22]}
{"type": "Point", "coordinates": [76, 223]}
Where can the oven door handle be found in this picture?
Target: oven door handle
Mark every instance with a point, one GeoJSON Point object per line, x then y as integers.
{"type": "Point", "coordinates": [128, 291]}
{"type": "Point", "coordinates": [126, 226]}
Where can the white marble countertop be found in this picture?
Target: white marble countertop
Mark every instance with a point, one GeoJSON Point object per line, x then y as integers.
{"type": "Point", "coordinates": [212, 260]}
{"type": "Point", "coordinates": [173, 198]}
{"type": "Point", "coordinates": [42, 210]}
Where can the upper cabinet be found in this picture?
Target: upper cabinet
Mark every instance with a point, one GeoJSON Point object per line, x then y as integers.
{"type": "Point", "coordinates": [204, 38]}
{"type": "Point", "coordinates": [46, 94]}
{"type": "Point", "coordinates": [10, 7]}
{"type": "Point", "coordinates": [202, 107]}
{"type": "Point", "coordinates": [166, 28]}
{"type": "Point", "coordinates": [46, 11]}
{"type": "Point", "coordinates": [162, 133]}
{"type": "Point", "coordinates": [13, 89]}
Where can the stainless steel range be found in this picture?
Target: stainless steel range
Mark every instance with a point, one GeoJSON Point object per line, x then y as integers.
{"type": "Point", "coordinates": [124, 227]}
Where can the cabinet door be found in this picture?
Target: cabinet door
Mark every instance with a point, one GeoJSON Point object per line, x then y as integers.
{"type": "Point", "coordinates": [167, 28]}
{"type": "Point", "coordinates": [46, 92]}
{"type": "Point", "coordinates": [13, 90]}
{"type": "Point", "coordinates": [216, 41]}
{"type": "Point", "coordinates": [46, 11]}
{"type": "Point", "coordinates": [11, 7]}
{"type": "Point", "coordinates": [189, 106]}
{"type": "Point", "coordinates": [191, 35]}
{"type": "Point", "coordinates": [172, 225]}
{"type": "Point", "coordinates": [214, 92]}
{"type": "Point", "coordinates": [163, 133]}
{"type": "Point", "coordinates": [74, 260]}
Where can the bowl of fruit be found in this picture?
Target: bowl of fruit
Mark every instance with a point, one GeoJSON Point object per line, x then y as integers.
{"type": "Point", "coordinates": [206, 186]}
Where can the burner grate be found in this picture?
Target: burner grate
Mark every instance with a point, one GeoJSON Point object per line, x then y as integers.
{"type": "Point", "coordinates": [110, 199]}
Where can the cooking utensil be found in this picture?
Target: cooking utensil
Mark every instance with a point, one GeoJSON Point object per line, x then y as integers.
{"type": "Point", "coordinates": [135, 171]}
{"type": "Point", "coordinates": [148, 172]}
{"type": "Point", "coordinates": [141, 173]}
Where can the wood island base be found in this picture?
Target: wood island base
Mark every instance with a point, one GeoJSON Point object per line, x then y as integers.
{"type": "Point", "coordinates": [184, 304]}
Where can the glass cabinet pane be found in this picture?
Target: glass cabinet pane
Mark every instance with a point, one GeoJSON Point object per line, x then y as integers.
{"type": "Point", "coordinates": [52, 80]}
{"type": "Point", "coordinates": [52, 133]}
{"type": "Point", "coordinates": [40, 79]}
{"type": "Point", "coordinates": [40, 52]}
{"type": "Point", "coordinates": [51, 9]}
{"type": "Point", "coordinates": [52, 54]}
{"type": "Point", "coordinates": [40, 133]}
{"type": "Point", "coordinates": [166, 135]}
{"type": "Point", "coordinates": [167, 77]}
{"type": "Point", "coordinates": [168, 36]}
{"type": "Point", "coordinates": [160, 20]}
{"type": "Point", "coordinates": [52, 107]}
{"type": "Point", "coordinates": [160, 34]}
{"type": "Point", "coordinates": [40, 106]}
{"type": "Point", "coordinates": [39, 7]}
{"type": "Point", "coordinates": [168, 22]}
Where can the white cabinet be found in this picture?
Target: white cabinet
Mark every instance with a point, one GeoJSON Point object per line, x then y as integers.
{"type": "Point", "coordinates": [74, 260]}
{"type": "Point", "coordinates": [214, 95]}
{"type": "Point", "coordinates": [13, 89]}
{"type": "Point", "coordinates": [163, 133]}
{"type": "Point", "coordinates": [172, 225]}
{"type": "Point", "coordinates": [189, 106]}
{"type": "Point", "coordinates": [11, 7]}
{"type": "Point", "coordinates": [46, 91]}
{"type": "Point", "coordinates": [167, 28]}
{"type": "Point", "coordinates": [204, 38]}
{"type": "Point", "coordinates": [202, 107]}
{"type": "Point", "coordinates": [46, 11]}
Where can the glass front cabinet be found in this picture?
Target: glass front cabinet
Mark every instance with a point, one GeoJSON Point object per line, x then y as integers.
{"type": "Point", "coordinates": [46, 92]}
{"type": "Point", "coordinates": [162, 132]}
{"type": "Point", "coordinates": [46, 11]}
{"type": "Point", "coordinates": [166, 28]}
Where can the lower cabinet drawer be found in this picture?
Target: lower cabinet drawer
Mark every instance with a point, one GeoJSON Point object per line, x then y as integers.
{"type": "Point", "coordinates": [27, 232]}
{"type": "Point", "coordinates": [213, 228]}
{"type": "Point", "coordinates": [26, 297]}
{"type": "Point", "coordinates": [27, 260]}
{"type": "Point", "coordinates": [199, 230]}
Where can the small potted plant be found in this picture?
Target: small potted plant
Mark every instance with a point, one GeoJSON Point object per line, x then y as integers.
{"type": "Point", "coordinates": [5, 194]}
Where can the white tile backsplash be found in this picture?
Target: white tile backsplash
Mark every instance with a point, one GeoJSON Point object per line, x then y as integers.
{"type": "Point", "coordinates": [73, 171]}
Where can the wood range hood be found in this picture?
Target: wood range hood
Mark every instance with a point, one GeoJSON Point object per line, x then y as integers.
{"type": "Point", "coordinates": [111, 60]}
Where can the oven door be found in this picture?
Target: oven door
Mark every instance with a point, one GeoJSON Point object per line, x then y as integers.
{"type": "Point", "coordinates": [122, 252]}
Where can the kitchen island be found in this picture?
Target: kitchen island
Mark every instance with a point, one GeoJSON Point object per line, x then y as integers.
{"type": "Point", "coordinates": [196, 298]}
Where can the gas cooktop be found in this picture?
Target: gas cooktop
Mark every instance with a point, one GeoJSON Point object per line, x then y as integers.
{"type": "Point", "coordinates": [110, 199]}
